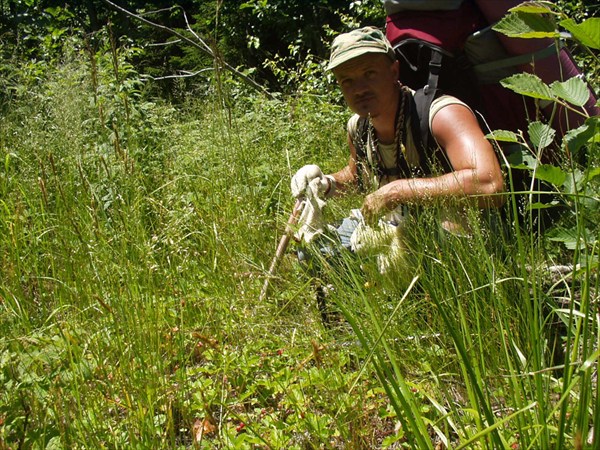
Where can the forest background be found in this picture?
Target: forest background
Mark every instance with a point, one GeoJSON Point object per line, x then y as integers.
{"type": "Point", "coordinates": [144, 187]}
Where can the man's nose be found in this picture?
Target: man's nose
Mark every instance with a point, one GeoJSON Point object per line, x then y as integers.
{"type": "Point", "coordinates": [360, 87]}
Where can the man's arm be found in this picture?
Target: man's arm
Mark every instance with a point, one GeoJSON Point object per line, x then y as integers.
{"type": "Point", "coordinates": [476, 168]}
{"type": "Point", "coordinates": [347, 177]}
{"type": "Point", "coordinates": [343, 179]}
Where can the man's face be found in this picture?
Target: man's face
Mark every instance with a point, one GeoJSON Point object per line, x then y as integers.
{"type": "Point", "coordinates": [367, 83]}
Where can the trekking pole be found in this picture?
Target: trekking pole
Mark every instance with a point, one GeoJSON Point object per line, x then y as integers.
{"type": "Point", "coordinates": [283, 243]}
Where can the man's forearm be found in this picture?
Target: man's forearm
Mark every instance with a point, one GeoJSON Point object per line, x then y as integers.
{"type": "Point", "coordinates": [459, 184]}
{"type": "Point", "coordinates": [344, 179]}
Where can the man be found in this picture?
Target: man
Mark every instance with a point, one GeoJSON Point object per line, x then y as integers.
{"type": "Point", "coordinates": [384, 147]}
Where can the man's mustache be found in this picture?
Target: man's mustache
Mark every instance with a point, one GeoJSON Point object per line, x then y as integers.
{"type": "Point", "coordinates": [363, 96]}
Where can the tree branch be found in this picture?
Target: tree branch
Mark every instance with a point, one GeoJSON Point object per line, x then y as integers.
{"type": "Point", "coordinates": [200, 45]}
{"type": "Point", "coordinates": [182, 75]}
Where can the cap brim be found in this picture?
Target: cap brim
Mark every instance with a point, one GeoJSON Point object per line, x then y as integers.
{"type": "Point", "coordinates": [353, 53]}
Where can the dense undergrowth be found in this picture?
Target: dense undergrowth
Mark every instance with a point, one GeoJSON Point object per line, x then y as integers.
{"type": "Point", "coordinates": [135, 237]}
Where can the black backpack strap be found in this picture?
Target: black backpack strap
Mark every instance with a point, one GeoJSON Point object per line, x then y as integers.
{"type": "Point", "coordinates": [435, 66]}
{"type": "Point", "coordinates": [419, 129]}
{"type": "Point", "coordinates": [418, 109]}
{"type": "Point", "coordinates": [424, 97]}
{"type": "Point", "coordinates": [421, 114]}
{"type": "Point", "coordinates": [431, 153]}
{"type": "Point", "coordinates": [360, 134]}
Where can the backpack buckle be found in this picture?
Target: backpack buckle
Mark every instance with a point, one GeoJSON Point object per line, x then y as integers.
{"type": "Point", "coordinates": [435, 63]}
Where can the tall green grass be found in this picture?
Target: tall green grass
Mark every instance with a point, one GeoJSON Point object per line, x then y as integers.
{"type": "Point", "coordinates": [135, 237]}
{"type": "Point", "coordinates": [486, 348]}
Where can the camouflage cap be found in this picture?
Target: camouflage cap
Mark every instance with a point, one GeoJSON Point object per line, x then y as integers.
{"type": "Point", "coordinates": [355, 43]}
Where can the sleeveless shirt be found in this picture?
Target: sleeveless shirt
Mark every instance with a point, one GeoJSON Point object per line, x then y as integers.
{"type": "Point", "coordinates": [387, 152]}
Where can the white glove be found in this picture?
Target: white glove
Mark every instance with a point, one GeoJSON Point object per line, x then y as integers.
{"type": "Point", "coordinates": [385, 242]}
{"type": "Point", "coordinates": [311, 221]}
{"type": "Point", "coordinates": [306, 175]}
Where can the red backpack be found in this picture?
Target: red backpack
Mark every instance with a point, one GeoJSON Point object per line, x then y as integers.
{"type": "Point", "coordinates": [449, 46]}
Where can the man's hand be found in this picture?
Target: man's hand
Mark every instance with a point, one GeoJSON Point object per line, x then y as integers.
{"type": "Point", "coordinates": [306, 175]}
{"type": "Point", "coordinates": [374, 206]}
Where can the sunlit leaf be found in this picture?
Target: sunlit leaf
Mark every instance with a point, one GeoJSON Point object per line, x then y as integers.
{"type": "Point", "coordinates": [586, 32]}
{"type": "Point", "coordinates": [541, 134]}
{"type": "Point", "coordinates": [539, 205]}
{"type": "Point", "coordinates": [503, 136]}
{"type": "Point", "coordinates": [529, 85]}
{"type": "Point", "coordinates": [526, 25]}
{"type": "Point", "coordinates": [533, 7]}
{"type": "Point", "coordinates": [592, 173]}
{"type": "Point", "coordinates": [574, 90]}
{"type": "Point", "coordinates": [551, 174]}
{"type": "Point", "coordinates": [392, 439]}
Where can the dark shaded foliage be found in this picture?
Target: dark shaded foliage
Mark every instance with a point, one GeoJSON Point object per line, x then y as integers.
{"type": "Point", "coordinates": [246, 33]}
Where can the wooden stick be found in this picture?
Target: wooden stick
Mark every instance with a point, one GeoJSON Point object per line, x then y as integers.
{"type": "Point", "coordinates": [283, 243]}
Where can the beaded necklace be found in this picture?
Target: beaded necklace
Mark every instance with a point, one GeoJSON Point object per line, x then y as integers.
{"type": "Point", "coordinates": [401, 163]}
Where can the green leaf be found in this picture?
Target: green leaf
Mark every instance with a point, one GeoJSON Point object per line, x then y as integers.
{"type": "Point", "coordinates": [551, 174]}
{"type": "Point", "coordinates": [526, 25]}
{"type": "Point", "coordinates": [533, 7]}
{"type": "Point", "coordinates": [503, 136]}
{"type": "Point", "coordinates": [592, 173]}
{"type": "Point", "coordinates": [572, 239]}
{"type": "Point", "coordinates": [529, 85]}
{"type": "Point", "coordinates": [573, 183]}
{"type": "Point", "coordinates": [522, 160]}
{"type": "Point", "coordinates": [574, 90]}
{"type": "Point", "coordinates": [568, 237]}
{"type": "Point", "coordinates": [389, 440]}
{"type": "Point", "coordinates": [539, 205]}
{"type": "Point", "coordinates": [578, 137]}
{"type": "Point", "coordinates": [540, 134]}
{"type": "Point", "coordinates": [591, 204]}
{"type": "Point", "coordinates": [586, 32]}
